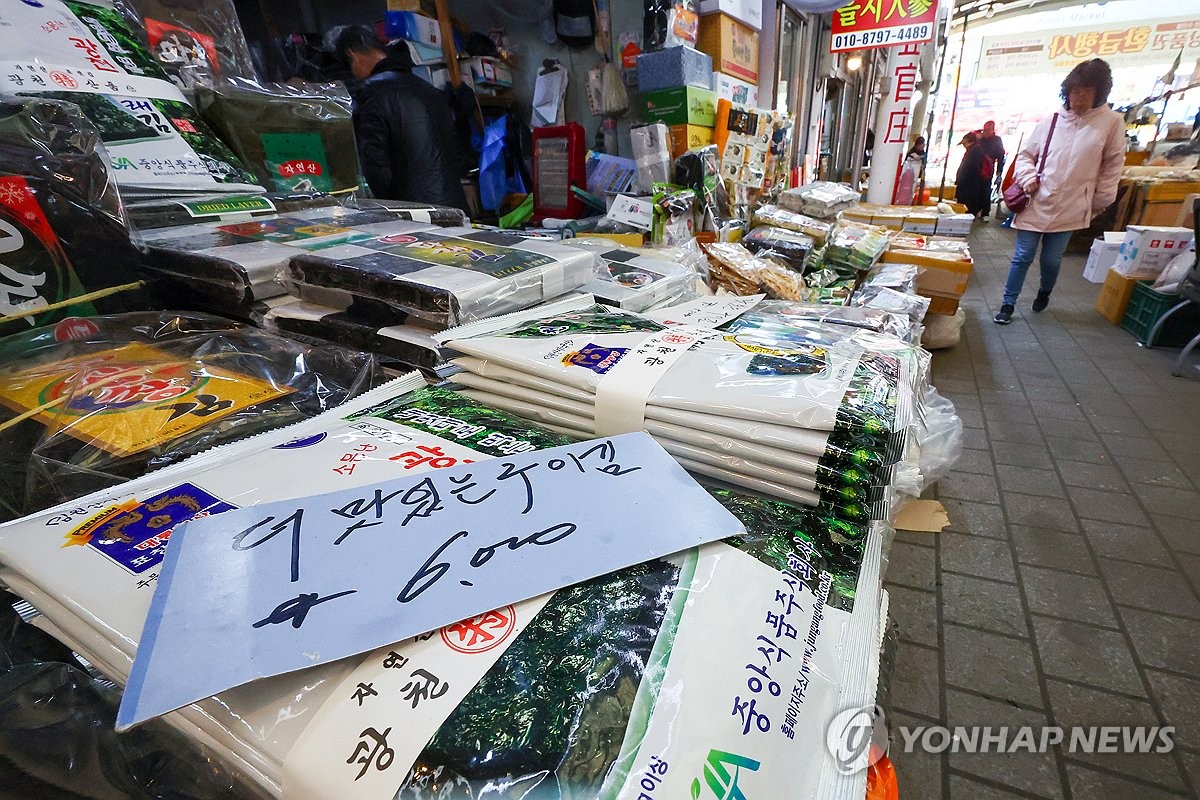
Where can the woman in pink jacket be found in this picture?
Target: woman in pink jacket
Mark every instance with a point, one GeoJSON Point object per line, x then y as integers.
{"type": "Point", "coordinates": [1083, 165]}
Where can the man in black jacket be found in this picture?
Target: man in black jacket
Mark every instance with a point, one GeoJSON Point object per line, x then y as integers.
{"type": "Point", "coordinates": [406, 139]}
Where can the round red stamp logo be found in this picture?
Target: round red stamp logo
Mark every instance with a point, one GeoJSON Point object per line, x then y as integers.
{"type": "Point", "coordinates": [481, 633]}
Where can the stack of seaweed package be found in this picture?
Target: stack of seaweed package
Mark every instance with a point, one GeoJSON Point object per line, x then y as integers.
{"type": "Point", "coordinates": [801, 409]}
{"type": "Point", "coordinates": [605, 687]}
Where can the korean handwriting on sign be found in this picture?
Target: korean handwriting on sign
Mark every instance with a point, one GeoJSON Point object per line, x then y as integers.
{"type": "Point", "coordinates": [513, 483]}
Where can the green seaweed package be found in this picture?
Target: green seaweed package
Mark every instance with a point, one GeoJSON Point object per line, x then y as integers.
{"type": "Point", "coordinates": [294, 138]}
{"type": "Point", "coordinates": [670, 674]}
{"type": "Point", "coordinates": [88, 54]}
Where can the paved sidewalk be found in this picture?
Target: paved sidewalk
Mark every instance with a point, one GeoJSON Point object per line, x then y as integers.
{"type": "Point", "coordinates": [1065, 591]}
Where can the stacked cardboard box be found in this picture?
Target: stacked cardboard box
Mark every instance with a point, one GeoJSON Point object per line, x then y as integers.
{"type": "Point", "coordinates": [677, 90]}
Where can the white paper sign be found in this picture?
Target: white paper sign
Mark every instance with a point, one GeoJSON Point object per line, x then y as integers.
{"type": "Point", "coordinates": [267, 590]}
{"type": "Point", "coordinates": [634, 211]}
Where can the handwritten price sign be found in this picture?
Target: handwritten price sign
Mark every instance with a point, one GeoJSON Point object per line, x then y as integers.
{"type": "Point", "coordinates": [266, 590]}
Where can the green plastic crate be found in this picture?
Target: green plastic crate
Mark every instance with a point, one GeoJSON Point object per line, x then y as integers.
{"type": "Point", "coordinates": [1146, 307]}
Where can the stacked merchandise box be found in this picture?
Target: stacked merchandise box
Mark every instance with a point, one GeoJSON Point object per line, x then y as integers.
{"type": "Point", "coordinates": [1147, 249]}
{"type": "Point", "coordinates": [677, 92]}
{"type": "Point", "coordinates": [732, 45]}
{"type": "Point", "coordinates": [1103, 256]}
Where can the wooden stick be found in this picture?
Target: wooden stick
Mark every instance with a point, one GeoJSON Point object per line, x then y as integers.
{"type": "Point", "coordinates": [33, 412]}
{"type": "Point", "coordinates": [70, 301]}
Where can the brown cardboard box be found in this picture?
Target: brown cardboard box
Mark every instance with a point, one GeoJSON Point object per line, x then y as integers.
{"type": "Point", "coordinates": [941, 304]}
{"type": "Point", "coordinates": [688, 137]}
{"type": "Point", "coordinates": [1114, 296]}
{"type": "Point", "coordinates": [732, 46]}
{"type": "Point", "coordinates": [946, 278]}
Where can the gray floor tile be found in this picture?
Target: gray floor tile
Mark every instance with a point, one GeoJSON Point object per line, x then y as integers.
{"type": "Point", "coordinates": [1169, 501]}
{"type": "Point", "coordinates": [1107, 506]}
{"type": "Point", "coordinates": [966, 486]}
{"type": "Point", "coordinates": [1046, 548]}
{"type": "Point", "coordinates": [1022, 455]}
{"type": "Point", "coordinates": [915, 613]}
{"type": "Point", "coordinates": [912, 566]}
{"type": "Point", "coordinates": [1126, 542]}
{"type": "Point", "coordinates": [1003, 414]}
{"type": "Point", "coordinates": [1169, 643]}
{"type": "Point", "coordinates": [1152, 471]}
{"type": "Point", "coordinates": [1086, 654]}
{"type": "Point", "coordinates": [1121, 426]}
{"type": "Point", "coordinates": [994, 665]}
{"type": "Point", "coordinates": [1182, 535]}
{"type": "Point", "coordinates": [1078, 706]}
{"type": "Point", "coordinates": [1046, 411]}
{"type": "Point", "coordinates": [978, 462]}
{"type": "Point", "coordinates": [1104, 476]}
{"type": "Point", "coordinates": [977, 555]}
{"type": "Point", "coordinates": [1150, 588]}
{"type": "Point", "coordinates": [1066, 595]}
{"type": "Point", "coordinates": [1136, 446]}
{"type": "Point", "coordinates": [1036, 773]}
{"type": "Point", "coordinates": [916, 686]}
{"type": "Point", "coordinates": [1014, 433]}
{"type": "Point", "coordinates": [1179, 698]}
{"type": "Point", "coordinates": [984, 604]}
{"type": "Point", "coordinates": [964, 787]}
{"type": "Point", "coordinates": [1028, 480]}
{"type": "Point", "coordinates": [975, 518]}
{"type": "Point", "coordinates": [1095, 785]}
{"type": "Point", "coordinates": [1039, 512]}
{"type": "Point", "coordinates": [918, 772]}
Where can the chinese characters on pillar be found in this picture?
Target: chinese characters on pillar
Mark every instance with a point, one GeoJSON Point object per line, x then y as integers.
{"type": "Point", "coordinates": [904, 75]}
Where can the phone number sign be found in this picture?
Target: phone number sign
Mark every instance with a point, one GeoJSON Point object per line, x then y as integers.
{"type": "Point", "coordinates": [864, 24]}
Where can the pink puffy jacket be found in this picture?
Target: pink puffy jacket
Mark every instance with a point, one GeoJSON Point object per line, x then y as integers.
{"type": "Point", "coordinates": [1082, 169]}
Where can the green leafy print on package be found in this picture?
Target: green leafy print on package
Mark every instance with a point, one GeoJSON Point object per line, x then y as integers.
{"type": "Point", "coordinates": [220, 161]}
{"type": "Point", "coordinates": [778, 532]}
{"type": "Point", "coordinates": [556, 705]}
{"type": "Point", "coordinates": [109, 23]}
{"type": "Point", "coordinates": [458, 418]}
{"type": "Point", "coordinates": [596, 320]}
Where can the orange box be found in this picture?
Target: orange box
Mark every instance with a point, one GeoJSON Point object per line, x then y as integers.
{"type": "Point", "coordinates": [732, 46]}
{"type": "Point", "coordinates": [941, 304]}
{"type": "Point", "coordinates": [1114, 296]}
{"type": "Point", "coordinates": [688, 137]}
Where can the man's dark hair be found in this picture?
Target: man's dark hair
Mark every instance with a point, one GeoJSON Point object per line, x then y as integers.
{"type": "Point", "coordinates": [357, 39]}
{"type": "Point", "coordinates": [1094, 73]}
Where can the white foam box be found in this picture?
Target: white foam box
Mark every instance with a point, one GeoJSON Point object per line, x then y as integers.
{"type": "Point", "coordinates": [748, 12]}
{"type": "Point", "coordinates": [1147, 249]}
{"type": "Point", "coordinates": [920, 223]}
{"type": "Point", "coordinates": [1103, 256]}
{"type": "Point", "coordinates": [954, 224]}
{"type": "Point", "coordinates": [736, 91]}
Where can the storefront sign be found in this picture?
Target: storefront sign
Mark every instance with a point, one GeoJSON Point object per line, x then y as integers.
{"type": "Point", "coordinates": [1120, 44]}
{"type": "Point", "coordinates": [867, 24]}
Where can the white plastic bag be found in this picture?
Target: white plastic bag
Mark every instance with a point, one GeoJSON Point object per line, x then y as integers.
{"type": "Point", "coordinates": [1168, 281]}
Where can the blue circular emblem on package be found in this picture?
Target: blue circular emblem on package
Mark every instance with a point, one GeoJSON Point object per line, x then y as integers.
{"type": "Point", "coordinates": [306, 441]}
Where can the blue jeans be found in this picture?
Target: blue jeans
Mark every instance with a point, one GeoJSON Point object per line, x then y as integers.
{"type": "Point", "coordinates": [1053, 247]}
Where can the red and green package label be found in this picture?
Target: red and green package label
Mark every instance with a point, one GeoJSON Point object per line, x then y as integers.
{"type": "Point", "coordinates": [296, 161]}
{"type": "Point", "coordinates": [34, 270]}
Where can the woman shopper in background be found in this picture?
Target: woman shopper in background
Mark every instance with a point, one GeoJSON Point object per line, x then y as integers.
{"type": "Point", "coordinates": [1083, 161]}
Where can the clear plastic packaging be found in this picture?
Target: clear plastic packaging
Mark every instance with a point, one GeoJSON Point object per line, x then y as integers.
{"type": "Point", "coordinates": [403, 346]}
{"type": "Point", "coordinates": [674, 210]}
{"type": "Point", "coordinates": [156, 141]}
{"type": "Point", "coordinates": [62, 224]}
{"type": "Point", "coordinates": [734, 268]}
{"type": "Point", "coordinates": [789, 248]}
{"type": "Point", "coordinates": [196, 41]}
{"type": "Point", "coordinates": [700, 171]}
{"type": "Point", "coordinates": [635, 279]}
{"type": "Point", "coordinates": [119, 395]}
{"type": "Point", "coordinates": [605, 667]}
{"type": "Point", "coordinates": [446, 275]}
{"type": "Point", "coordinates": [294, 138]}
{"type": "Point", "coordinates": [1169, 279]}
{"type": "Point", "coordinates": [856, 246]}
{"type": "Point", "coordinates": [820, 199]}
{"type": "Point", "coordinates": [778, 217]}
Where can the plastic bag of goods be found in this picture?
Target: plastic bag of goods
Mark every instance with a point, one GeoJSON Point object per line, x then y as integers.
{"type": "Point", "coordinates": [195, 41]}
{"type": "Point", "coordinates": [821, 199]}
{"type": "Point", "coordinates": [775, 216]}
{"type": "Point", "coordinates": [789, 248]}
{"type": "Point", "coordinates": [86, 53]}
{"type": "Point", "coordinates": [734, 268]}
{"type": "Point", "coordinates": [103, 399]}
{"type": "Point", "coordinates": [635, 279]}
{"type": "Point", "coordinates": [620, 689]}
{"type": "Point", "coordinates": [227, 266]}
{"type": "Point", "coordinates": [293, 138]}
{"type": "Point", "coordinates": [446, 275]}
{"type": "Point", "coordinates": [63, 231]}
{"type": "Point", "coordinates": [1170, 278]}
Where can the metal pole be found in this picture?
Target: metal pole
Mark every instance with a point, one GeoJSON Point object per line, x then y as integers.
{"type": "Point", "coordinates": [863, 119]}
{"type": "Point", "coordinates": [934, 87]}
{"type": "Point", "coordinates": [962, 46]}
